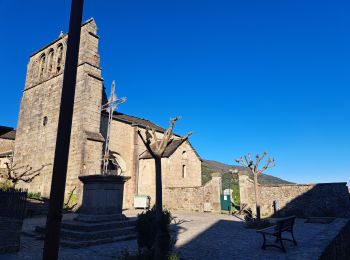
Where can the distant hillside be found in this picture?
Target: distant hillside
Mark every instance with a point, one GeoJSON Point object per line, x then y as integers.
{"type": "Point", "coordinates": [228, 179]}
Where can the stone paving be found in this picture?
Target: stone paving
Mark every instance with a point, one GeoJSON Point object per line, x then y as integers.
{"type": "Point", "coordinates": [200, 236]}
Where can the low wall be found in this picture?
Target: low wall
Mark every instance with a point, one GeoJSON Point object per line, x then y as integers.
{"type": "Point", "coordinates": [302, 200]}
{"type": "Point", "coordinates": [339, 247]}
{"type": "Point", "coordinates": [203, 198]}
{"type": "Point", "coordinates": [10, 233]}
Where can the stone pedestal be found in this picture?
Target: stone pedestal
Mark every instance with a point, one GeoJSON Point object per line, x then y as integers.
{"type": "Point", "coordinates": [100, 219]}
{"type": "Point", "coordinates": [102, 198]}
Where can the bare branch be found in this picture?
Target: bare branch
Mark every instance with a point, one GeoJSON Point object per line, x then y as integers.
{"type": "Point", "coordinates": [187, 136]}
{"type": "Point", "coordinates": [22, 173]}
{"type": "Point", "coordinates": [167, 136]}
{"type": "Point", "coordinates": [147, 142]}
{"type": "Point", "coordinates": [258, 160]}
{"type": "Point", "coordinates": [268, 165]}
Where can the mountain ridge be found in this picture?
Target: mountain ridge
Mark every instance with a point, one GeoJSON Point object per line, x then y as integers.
{"type": "Point", "coordinates": [228, 178]}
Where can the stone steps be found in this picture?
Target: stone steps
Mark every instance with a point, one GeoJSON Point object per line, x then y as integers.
{"type": "Point", "coordinates": [91, 235]}
{"type": "Point", "coordinates": [76, 234]}
{"type": "Point", "coordinates": [79, 226]}
{"type": "Point", "coordinates": [80, 244]}
{"type": "Point", "coordinates": [83, 236]}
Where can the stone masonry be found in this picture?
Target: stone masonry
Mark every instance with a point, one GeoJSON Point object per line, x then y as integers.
{"type": "Point", "coordinates": [203, 198]}
{"type": "Point", "coordinates": [303, 200]}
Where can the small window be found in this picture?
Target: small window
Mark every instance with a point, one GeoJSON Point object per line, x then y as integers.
{"type": "Point", "coordinates": [45, 121]}
{"type": "Point", "coordinates": [59, 58]}
{"type": "Point", "coordinates": [184, 171]}
{"type": "Point", "coordinates": [42, 66]}
{"type": "Point", "coordinates": [50, 62]}
{"type": "Point", "coordinates": [184, 155]}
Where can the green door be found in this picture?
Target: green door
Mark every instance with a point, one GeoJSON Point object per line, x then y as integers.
{"type": "Point", "coordinates": [225, 202]}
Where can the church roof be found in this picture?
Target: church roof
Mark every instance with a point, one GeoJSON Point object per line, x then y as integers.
{"type": "Point", "coordinates": [171, 148]}
{"type": "Point", "coordinates": [7, 133]}
{"type": "Point", "coordinates": [144, 123]}
{"type": "Point", "coordinates": [137, 121]}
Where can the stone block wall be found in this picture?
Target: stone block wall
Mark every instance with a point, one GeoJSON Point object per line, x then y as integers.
{"type": "Point", "coordinates": [122, 144]}
{"type": "Point", "coordinates": [6, 145]}
{"type": "Point", "coordinates": [184, 156]}
{"type": "Point", "coordinates": [339, 247]}
{"type": "Point", "coordinates": [303, 200]}
{"type": "Point", "coordinates": [10, 233]}
{"type": "Point", "coordinates": [194, 198]}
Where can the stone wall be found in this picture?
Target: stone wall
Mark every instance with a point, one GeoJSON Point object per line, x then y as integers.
{"type": "Point", "coordinates": [194, 198]}
{"type": "Point", "coordinates": [6, 145]}
{"type": "Point", "coordinates": [339, 247]}
{"type": "Point", "coordinates": [122, 143]}
{"type": "Point", "coordinates": [303, 200]}
{"type": "Point", "coordinates": [172, 171]}
{"type": "Point", "coordinates": [184, 156]}
{"type": "Point", "coordinates": [10, 234]}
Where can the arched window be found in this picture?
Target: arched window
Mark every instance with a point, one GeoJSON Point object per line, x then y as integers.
{"type": "Point", "coordinates": [50, 62]}
{"type": "Point", "coordinates": [184, 171]}
{"type": "Point", "coordinates": [184, 155]}
{"type": "Point", "coordinates": [45, 120]}
{"type": "Point", "coordinates": [117, 163]}
{"type": "Point", "coordinates": [59, 58]}
{"type": "Point", "coordinates": [42, 66]}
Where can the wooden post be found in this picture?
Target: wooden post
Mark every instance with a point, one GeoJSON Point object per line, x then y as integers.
{"type": "Point", "coordinates": [59, 173]}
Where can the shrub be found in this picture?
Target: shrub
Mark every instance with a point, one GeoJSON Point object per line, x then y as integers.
{"type": "Point", "coordinates": [235, 194]}
{"type": "Point", "coordinates": [34, 195]}
{"type": "Point", "coordinates": [71, 202]}
{"type": "Point", "coordinates": [5, 185]}
{"type": "Point", "coordinates": [146, 228]}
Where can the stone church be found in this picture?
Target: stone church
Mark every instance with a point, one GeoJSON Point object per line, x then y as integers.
{"type": "Point", "coordinates": [33, 142]}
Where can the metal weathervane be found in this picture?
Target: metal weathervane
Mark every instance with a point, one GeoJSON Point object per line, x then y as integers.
{"type": "Point", "coordinates": [110, 107]}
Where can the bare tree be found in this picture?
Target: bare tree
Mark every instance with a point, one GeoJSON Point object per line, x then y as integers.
{"type": "Point", "coordinates": [15, 174]}
{"type": "Point", "coordinates": [249, 163]}
{"type": "Point", "coordinates": [156, 148]}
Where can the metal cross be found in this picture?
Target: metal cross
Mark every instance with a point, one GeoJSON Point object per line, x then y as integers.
{"type": "Point", "coordinates": [110, 107]}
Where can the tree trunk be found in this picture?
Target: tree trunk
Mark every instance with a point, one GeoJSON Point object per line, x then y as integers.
{"type": "Point", "coordinates": [159, 197]}
{"type": "Point", "coordinates": [257, 202]}
{"type": "Point", "coordinates": [159, 207]}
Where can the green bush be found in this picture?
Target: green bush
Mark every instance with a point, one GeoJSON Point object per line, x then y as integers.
{"type": "Point", "coordinates": [235, 194]}
{"type": "Point", "coordinates": [146, 228]}
{"type": "Point", "coordinates": [34, 195]}
{"type": "Point", "coordinates": [4, 185]}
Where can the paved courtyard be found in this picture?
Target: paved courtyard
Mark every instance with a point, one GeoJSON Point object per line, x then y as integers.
{"type": "Point", "coordinates": [200, 236]}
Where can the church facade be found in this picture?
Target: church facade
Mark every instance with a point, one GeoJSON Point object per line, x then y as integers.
{"type": "Point", "coordinates": [35, 136]}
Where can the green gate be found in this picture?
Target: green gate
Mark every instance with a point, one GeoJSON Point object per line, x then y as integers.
{"type": "Point", "coordinates": [225, 201]}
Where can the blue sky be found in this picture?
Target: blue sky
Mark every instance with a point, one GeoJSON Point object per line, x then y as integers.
{"type": "Point", "coordinates": [246, 76]}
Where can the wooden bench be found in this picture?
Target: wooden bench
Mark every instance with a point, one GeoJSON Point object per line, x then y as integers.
{"type": "Point", "coordinates": [282, 225]}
